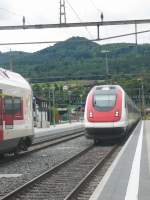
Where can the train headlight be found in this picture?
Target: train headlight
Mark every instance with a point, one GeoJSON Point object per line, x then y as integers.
{"type": "Point", "coordinates": [116, 113]}
{"type": "Point", "coordinates": [90, 114]}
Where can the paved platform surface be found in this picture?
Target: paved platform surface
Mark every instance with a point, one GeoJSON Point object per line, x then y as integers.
{"type": "Point", "coordinates": [57, 130]}
{"type": "Point", "coordinates": [128, 178]}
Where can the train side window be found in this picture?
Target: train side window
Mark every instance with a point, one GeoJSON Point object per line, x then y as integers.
{"type": "Point", "coordinates": [18, 108]}
{"type": "Point", "coordinates": [17, 105]}
{"type": "Point", "coordinates": [8, 110]}
{"type": "Point", "coordinates": [8, 105]}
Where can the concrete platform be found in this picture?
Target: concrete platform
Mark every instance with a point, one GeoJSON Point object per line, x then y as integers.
{"type": "Point", "coordinates": [57, 130]}
{"type": "Point", "coordinates": [128, 178]}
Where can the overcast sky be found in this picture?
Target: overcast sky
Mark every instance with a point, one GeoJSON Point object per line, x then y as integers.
{"type": "Point", "coordinates": [47, 11]}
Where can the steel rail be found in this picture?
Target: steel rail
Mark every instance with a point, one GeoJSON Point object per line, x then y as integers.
{"type": "Point", "coordinates": [44, 175]}
{"type": "Point", "coordinates": [55, 141]}
{"type": "Point", "coordinates": [98, 166]}
{"type": "Point", "coordinates": [49, 138]}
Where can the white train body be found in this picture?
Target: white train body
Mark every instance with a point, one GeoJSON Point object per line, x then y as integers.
{"type": "Point", "coordinates": [16, 118]}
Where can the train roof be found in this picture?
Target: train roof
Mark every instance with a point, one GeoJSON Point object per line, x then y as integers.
{"type": "Point", "coordinates": [107, 87]}
{"type": "Point", "coordinates": [14, 79]}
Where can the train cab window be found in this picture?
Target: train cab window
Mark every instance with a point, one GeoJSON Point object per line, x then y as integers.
{"type": "Point", "coordinates": [104, 102]}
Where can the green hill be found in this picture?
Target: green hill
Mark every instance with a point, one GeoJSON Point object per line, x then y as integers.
{"type": "Point", "coordinates": [79, 57]}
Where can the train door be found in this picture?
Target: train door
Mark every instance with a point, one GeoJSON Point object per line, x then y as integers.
{"type": "Point", "coordinates": [1, 116]}
{"type": "Point", "coordinates": [9, 112]}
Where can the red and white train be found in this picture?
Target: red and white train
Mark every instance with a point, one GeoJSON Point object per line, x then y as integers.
{"type": "Point", "coordinates": [109, 113]}
{"type": "Point", "coordinates": [16, 118]}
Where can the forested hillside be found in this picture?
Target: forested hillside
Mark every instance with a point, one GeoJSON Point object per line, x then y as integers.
{"type": "Point", "coordinates": [77, 57]}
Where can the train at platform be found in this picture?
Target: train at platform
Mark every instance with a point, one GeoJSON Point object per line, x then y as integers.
{"type": "Point", "coordinates": [16, 118]}
{"type": "Point", "coordinates": [109, 113]}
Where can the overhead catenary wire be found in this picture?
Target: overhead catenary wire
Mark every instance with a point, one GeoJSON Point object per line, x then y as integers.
{"type": "Point", "coordinates": [100, 12]}
{"type": "Point", "coordinates": [94, 5]}
{"type": "Point", "coordinates": [53, 42]}
{"type": "Point", "coordinates": [124, 35]}
{"type": "Point", "coordinates": [14, 13]}
{"type": "Point", "coordinates": [11, 12]}
{"type": "Point", "coordinates": [79, 18]}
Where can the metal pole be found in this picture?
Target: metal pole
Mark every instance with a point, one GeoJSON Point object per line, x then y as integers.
{"type": "Point", "coordinates": [69, 108]}
{"type": "Point", "coordinates": [140, 100]}
{"type": "Point", "coordinates": [49, 109]}
{"type": "Point", "coordinates": [62, 12]}
{"type": "Point", "coordinates": [41, 114]}
{"type": "Point", "coordinates": [98, 37]}
{"type": "Point", "coordinates": [106, 63]}
{"type": "Point", "coordinates": [54, 107]}
{"type": "Point", "coordinates": [136, 40]}
{"type": "Point", "coordinates": [143, 99]}
{"type": "Point", "coordinates": [107, 69]}
{"type": "Point", "coordinates": [11, 61]}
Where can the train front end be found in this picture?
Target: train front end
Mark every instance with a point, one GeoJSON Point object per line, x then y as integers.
{"type": "Point", "coordinates": [105, 116]}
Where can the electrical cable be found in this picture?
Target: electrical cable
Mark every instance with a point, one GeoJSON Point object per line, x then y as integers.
{"type": "Point", "coordinates": [79, 18]}
{"type": "Point", "coordinates": [53, 42]}
{"type": "Point", "coordinates": [14, 13]}
{"type": "Point", "coordinates": [123, 35]}
{"type": "Point", "coordinates": [11, 12]}
{"type": "Point", "coordinates": [94, 5]}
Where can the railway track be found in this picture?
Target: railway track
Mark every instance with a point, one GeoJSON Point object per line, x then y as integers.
{"type": "Point", "coordinates": [65, 180]}
{"type": "Point", "coordinates": [55, 136]}
{"type": "Point", "coordinates": [88, 184]}
{"type": "Point", "coordinates": [42, 144]}
{"type": "Point", "coordinates": [50, 142]}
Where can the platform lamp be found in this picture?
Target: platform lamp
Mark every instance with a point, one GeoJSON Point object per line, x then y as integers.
{"type": "Point", "coordinates": [69, 107]}
{"type": "Point", "coordinates": [49, 104]}
{"type": "Point", "coordinates": [142, 97]}
{"type": "Point", "coordinates": [53, 104]}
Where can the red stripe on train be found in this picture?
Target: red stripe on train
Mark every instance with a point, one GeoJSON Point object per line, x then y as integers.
{"type": "Point", "coordinates": [1, 135]}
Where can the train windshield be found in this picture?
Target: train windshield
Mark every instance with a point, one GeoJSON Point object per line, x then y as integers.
{"type": "Point", "coordinates": [104, 102]}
